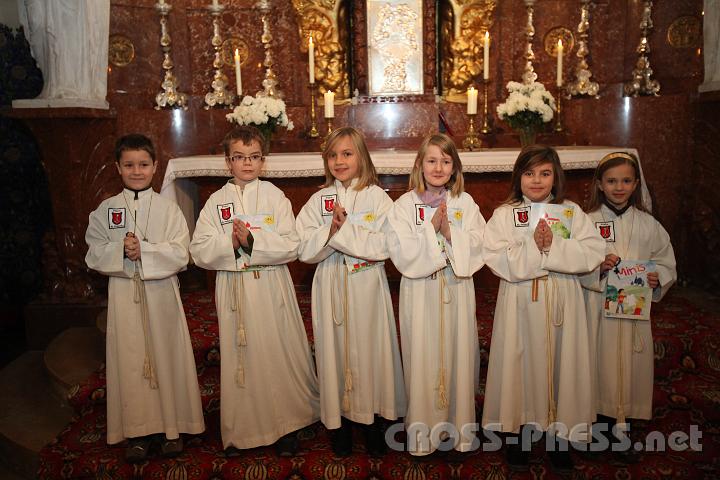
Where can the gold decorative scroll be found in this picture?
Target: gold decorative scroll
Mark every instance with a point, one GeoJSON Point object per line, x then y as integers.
{"type": "Point", "coordinates": [326, 21]}
{"type": "Point", "coordinates": [463, 24]}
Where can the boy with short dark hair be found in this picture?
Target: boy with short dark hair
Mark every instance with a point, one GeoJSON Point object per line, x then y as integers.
{"type": "Point", "coordinates": [140, 240]}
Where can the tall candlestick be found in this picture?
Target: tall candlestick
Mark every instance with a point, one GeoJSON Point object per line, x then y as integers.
{"type": "Point", "coordinates": [559, 79]}
{"type": "Point", "coordinates": [486, 56]}
{"type": "Point", "coordinates": [238, 75]}
{"type": "Point", "coordinates": [472, 96]}
{"type": "Point", "coordinates": [329, 104]}
{"type": "Point", "coordinates": [311, 59]}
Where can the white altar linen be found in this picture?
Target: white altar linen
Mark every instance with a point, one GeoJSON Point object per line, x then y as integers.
{"type": "Point", "coordinates": [177, 184]}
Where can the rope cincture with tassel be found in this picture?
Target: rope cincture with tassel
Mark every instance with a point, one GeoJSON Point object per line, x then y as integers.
{"type": "Point", "coordinates": [348, 372]}
{"type": "Point", "coordinates": [442, 399]}
{"type": "Point", "coordinates": [240, 337]}
{"type": "Point", "coordinates": [549, 323]}
{"type": "Point", "coordinates": [139, 297]}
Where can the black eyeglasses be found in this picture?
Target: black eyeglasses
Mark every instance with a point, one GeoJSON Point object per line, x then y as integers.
{"type": "Point", "coordinates": [254, 158]}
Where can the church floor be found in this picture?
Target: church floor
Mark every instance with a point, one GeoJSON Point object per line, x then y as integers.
{"type": "Point", "coordinates": [687, 392]}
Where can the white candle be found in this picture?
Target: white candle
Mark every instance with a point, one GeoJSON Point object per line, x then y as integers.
{"type": "Point", "coordinates": [472, 96]}
{"type": "Point", "coordinates": [215, 3]}
{"type": "Point", "coordinates": [559, 79]}
{"type": "Point", "coordinates": [311, 60]}
{"type": "Point", "coordinates": [238, 75]}
{"type": "Point", "coordinates": [486, 56]}
{"type": "Point", "coordinates": [329, 104]}
{"type": "Point", "coordinates": [161, 2]}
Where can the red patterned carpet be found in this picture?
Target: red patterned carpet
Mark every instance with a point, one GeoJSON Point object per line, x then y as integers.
{"type": "Point", "coordinates": [687, 392]}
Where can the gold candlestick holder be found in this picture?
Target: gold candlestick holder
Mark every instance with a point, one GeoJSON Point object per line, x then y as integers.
{"type": "Point", "coordinates": [269, 83]}
{"type": "Point", "coordinates": [313, 133]}
{"type": "Point", "coordinates": [330, 129]}
{"type": "Point", "coordinates": [642, 83]}
{"type": "Point", "coordinates": [472, 141]}
{"type": "Point", "coordinates": [485, 126]}
{"type": "Point", "coordinates": [219, 95]}
{"type": "Point", "coordinates": [170, 96]}
{"type": "Point", "coordinates": [558, 119]}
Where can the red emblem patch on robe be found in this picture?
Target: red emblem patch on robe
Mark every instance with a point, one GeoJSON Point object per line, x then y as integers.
{"type": "Point", "coordinates": [606, 230]}
{"type": "Point", "coordinates": [226, 212]}
{"type": "Point", "coordinates": [116, 218]}
{"type": "Point", "coordinates": [327, 204]}
{"type": "Point", "coordinates": [521, 216]}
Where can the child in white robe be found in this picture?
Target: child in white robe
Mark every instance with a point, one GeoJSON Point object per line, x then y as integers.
{"type": "Point", "coordinates": [246, 231]}
{"type": "Point", "coordinates": [434, 234]}
{"type": "Point", "coordinates": [139, 239]}
{"type": "Point", "coordinates": [358, 357]}
{"type": "Point", "coordinates": [539, 364]}
{"type": "Point", "coordinates": [622, 349]}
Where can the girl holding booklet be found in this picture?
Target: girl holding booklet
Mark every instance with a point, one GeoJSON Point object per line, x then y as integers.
{"type": "Point", "coordinates": [539, 364]}
{"type": "Point", "coordinates": [623, 348]}
{"type": "Point", "coordinates": [435, 240]}
{"type": "Point", "coordinates": [358, 357]}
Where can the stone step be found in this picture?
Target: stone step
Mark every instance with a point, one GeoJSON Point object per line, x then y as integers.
{"type": "Point", "coordinates": [31, 414]}
{"type": "Point", "coordinates": [73, 355]}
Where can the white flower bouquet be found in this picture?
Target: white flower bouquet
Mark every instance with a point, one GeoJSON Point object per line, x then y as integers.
{"type": "Point", "coordinates": [527, 106]}
{"type": "Point", "coordinates": [263, 113]}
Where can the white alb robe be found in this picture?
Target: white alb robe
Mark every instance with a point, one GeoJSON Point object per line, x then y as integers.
{"type": "Point", "coordinates": [268, 386]}
{"type": "Point", "coordinates": [539, 352]}
{"type": "Point", "coordinates": [436, 342]}
{"type": "Point", "coordinates": [365, 342]}
{"type": "Point", "coordinates": [134, 408]}
{"type": "Point", "coordinates": [622, 349]}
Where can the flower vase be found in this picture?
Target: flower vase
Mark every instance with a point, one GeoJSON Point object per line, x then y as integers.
{"type": "Point", "coordinates": [527, 136]}
{"type": "Point", "coordinates": [267, 133]}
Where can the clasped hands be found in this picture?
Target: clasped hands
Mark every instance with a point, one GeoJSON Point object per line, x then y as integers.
{"type": "Point", "coordinates": [131, 245]}
{"type": "Point", "coordinates": [440, 221]}
{"type": "Point", "coordinates": [240, 234]}
{"type": "Point", "coordinates": [543, 236]}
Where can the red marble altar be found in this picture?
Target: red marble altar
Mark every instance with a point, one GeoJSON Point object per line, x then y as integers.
{"type": "Point", "coordinates": [77, 144]}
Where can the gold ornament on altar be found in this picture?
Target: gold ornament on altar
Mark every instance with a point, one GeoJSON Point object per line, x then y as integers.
{"type": "Point", "coordinates": [550, 42]}
{"type": "Point", "coordinates": [529, 76]}
{"type": "Point", "coordinates": [170, 96]}
{"type": "Point", "coordinates": [642, 83]}
{"type": "Point", "coordinates": [218, 95]}
{"type": "Point", "coordinates": [327, 26]}
{"type": "Point", "coordinates": [461, 44]}
{"type": "Point", "coordinates": [582, 85]}
{"type": "Point", "coordinates": [121, 50]}
{"type": "Point", "coordinates": [228, 51]}
{"type": "Point", "coordinates": [685, 32]}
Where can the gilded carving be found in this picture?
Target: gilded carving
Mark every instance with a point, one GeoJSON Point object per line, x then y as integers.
{"type": "Point", "coordinates": [559, 33]}
{"type": "Point", "coordinates": [228, 51]}
{"type": "Point", "coordinates": [326, 21]}
{"type": "Point", "coordinates": [121, 50]}
{"type": "Point", "coordinates": [463, 24]}
{"type": "Point", "coordinates": [685, 32]}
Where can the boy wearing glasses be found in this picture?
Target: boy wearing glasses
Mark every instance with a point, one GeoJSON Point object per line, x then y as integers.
{"type": "Point", "coordinates": [246, 232]}
{"type": "Point", "coordinates": [140, 240]}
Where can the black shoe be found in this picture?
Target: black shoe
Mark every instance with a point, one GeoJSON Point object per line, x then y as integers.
{"type": "Point", "coordinates": [138, 449]}
{"type": "Point", "coordinates": [341, 439]}
{"type": "Point", "coordinates": [171, 448]}
{"type": "Point", "coordinates": [232, 452]}
{"type": "Point", "coordinates": [375, 438]}
{"type": "Point", "coordinates": [518, 460]}
{"type": "Point", "coordinates": [561, 462]}
{"type": "Point", "coordinates": [287, 446]}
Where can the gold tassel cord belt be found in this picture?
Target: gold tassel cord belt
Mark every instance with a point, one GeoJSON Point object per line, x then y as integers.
{"type": "Point", "coordinates": [348, 387]}
{"type": "Point", "coordinates": [551, 296]}
{"type": "Point", "coordinates": [638, 345]}
{"type": "Point", "coordinates": [442, 399]}
{"type": "Point", "coordinates": [240, 337]}
{"type": "Point", "coordinates": [140, 298]}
